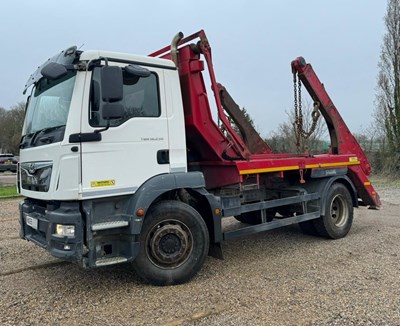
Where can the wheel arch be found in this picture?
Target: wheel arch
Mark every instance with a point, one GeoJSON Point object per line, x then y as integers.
{"type": "Point", "coordinates": [350, 187]}
{"type": "Point", "coordinates": [322, 186]}
{"type": "Point", "coordinates": [166, 186]}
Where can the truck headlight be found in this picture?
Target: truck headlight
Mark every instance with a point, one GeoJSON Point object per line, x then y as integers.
{"type": "Point", "coordinates": [65, 230]}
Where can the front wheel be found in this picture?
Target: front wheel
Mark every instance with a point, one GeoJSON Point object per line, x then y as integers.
{"type": "Point", "coordinates": [174, 243]}
{"type": "Point", "coordinates": [338, 217]}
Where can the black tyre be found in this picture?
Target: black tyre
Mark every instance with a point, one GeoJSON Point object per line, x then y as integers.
{"type": "Point", "coordinates": [338, 218]}
{"type": "Point", "coordinates": [174, 243]}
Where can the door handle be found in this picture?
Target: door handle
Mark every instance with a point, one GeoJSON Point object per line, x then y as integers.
{"type": "Point", "coordinates": [163, 156]}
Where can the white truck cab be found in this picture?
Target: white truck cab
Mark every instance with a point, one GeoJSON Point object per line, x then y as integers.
{"type": "Point", "coordinates": [62, 157]}
{"type": "Point", "coordinates": [103, 138]}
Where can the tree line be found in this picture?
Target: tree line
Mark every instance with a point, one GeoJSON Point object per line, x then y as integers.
{"type": "Point", "coordinates": [11, 122]}
{"type": "Point", "coordinates": [387, 103]}
{"type": "Point", "coordinates": [381, 140]}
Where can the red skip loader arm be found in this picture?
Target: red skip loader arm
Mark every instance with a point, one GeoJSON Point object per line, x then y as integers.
{"type": "Point", "coordinates": [342, 140]}
{"type": "Point", "coordinates": [223, 154]}
{"type": "Point", "coordinates": [229, 143]}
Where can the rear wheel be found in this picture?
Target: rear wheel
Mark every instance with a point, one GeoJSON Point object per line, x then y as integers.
{"type": "Point", "coordinates": [338, 218]}
{"type": "Point", "coordinates": [174, 243]}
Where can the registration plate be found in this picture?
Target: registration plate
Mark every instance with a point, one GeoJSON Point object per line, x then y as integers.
{"type": "Point", "coordinates": [32, 222]}
{"type": "Point", "coordinates": [7, 162]}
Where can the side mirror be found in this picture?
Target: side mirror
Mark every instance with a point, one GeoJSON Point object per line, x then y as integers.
{"type": "Point", "coordinates": [53, 71]}
{"type": "Point", "coordinates": [111, 84]}
{"type": "Point", "coordinates": [138, 71]}
{"type": "Point", "coordinates": [112, 111]}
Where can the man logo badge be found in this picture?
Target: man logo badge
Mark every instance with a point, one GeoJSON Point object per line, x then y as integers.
{"type": "Point", "coordinates": [31, 168]}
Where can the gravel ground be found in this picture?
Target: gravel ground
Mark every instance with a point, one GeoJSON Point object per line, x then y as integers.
{"type": "Point", "coordinates": [281, 277]}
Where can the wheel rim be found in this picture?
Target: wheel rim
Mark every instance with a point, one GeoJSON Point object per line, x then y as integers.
{"type": "Point", "coordinates": [339, 211]}
{"type": "Point", "coordinates": [169, 244]}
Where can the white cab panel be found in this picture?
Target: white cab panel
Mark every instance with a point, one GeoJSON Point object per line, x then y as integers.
{"type": "Point", "coordinates": [127, 154]}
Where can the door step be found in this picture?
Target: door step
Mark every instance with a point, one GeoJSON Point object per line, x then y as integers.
{"type": "Point", "coordinates": [110, 261]}
{"type": "Point", "coordinates": [109, 225]}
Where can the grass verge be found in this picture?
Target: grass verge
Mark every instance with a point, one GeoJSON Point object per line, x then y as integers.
{"type": "Point", "coordinates": [8, 191]}
{"type": "Point", "coordinates": [385, 181]}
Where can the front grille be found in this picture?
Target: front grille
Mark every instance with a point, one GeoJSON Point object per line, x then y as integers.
{"type": "Point", "coordinates": [35, 176]}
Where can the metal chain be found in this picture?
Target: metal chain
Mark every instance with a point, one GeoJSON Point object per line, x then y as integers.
{"type": "Point", "coordinates": [298, 113]}
{"type": "Point", "coordinates": [296, 116]}
{"type": "Point", "coordinates": [300, 103]}
{"type": "Point", "coordinates": [315, 115]}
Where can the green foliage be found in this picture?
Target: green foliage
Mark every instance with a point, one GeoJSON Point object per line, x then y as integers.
{"type": "Point", "coordinates": [380, 181]}
{"type": "Point", "coordinates": [248, 118]}
{"type": "Point", "coordinates": [387, 114]}
{"type": "Point", "coordinates": [8, 191]}
{"type": "Point", "coordinates": [11, 122]}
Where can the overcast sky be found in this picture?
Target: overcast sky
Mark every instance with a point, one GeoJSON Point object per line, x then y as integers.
{"type": "Point", "coordinates": [253, 43]}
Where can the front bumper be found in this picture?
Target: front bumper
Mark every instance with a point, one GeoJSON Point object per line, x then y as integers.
{"type": "Point", "coordinates": [38, 222]}
{"type": "Point", "coordinates": [101, 237]}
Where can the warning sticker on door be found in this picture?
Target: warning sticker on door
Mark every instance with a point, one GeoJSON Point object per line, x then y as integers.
{"type": "Point", "coordinates": [102, 183]}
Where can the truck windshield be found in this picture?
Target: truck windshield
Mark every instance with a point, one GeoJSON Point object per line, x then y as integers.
{"type": "Point", "coordinates": [49, 104]}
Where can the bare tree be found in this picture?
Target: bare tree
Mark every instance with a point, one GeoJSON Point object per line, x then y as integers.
{"type": "Point", "coordinates": [387, 113]}
{"type": "Point", "coordinates": [284, 139]}
{"type": "Point", "coordinates": [3, 138]}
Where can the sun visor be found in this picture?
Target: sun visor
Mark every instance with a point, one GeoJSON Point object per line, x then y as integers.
{"type": "Point", "coordinates": [65, 57]}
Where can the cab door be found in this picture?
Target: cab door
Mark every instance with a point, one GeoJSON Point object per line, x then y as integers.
{"type": "Point", "coordinates": [135, 147]}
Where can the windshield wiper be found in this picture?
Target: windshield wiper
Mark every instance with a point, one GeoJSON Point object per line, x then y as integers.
{"type": "Point", "coordinates": [41, 132]}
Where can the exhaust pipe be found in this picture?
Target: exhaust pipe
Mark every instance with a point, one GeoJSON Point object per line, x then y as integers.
{"type": "Point", "coordinates": [174, 47]}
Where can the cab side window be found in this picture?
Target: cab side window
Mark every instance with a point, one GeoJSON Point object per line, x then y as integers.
{"type": "Point", "coordinates": [140, 99]}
